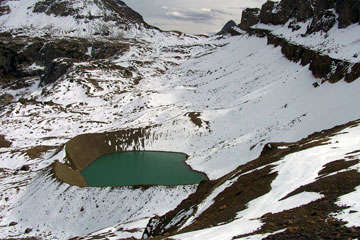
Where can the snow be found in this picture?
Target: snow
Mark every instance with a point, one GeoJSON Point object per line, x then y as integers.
{"type": "Point", "coordinates": [54, 207]}
{"type": "Point", "coordinates": [246, 93]}
{"type": "Point", "coordinates": [22, 20]}
{"type": "Point", "coordinates": [351, 214]}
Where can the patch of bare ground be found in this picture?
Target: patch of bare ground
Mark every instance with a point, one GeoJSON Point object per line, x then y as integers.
{"type": "Point", "coordinates": [313, 221]}
{"type": "Point", "coordinates": [195, 119]}
{"type": "Point", "coordinates": [310, 221]}
{"type": "Point", "coordinates": [37, 151]}
{"type": "Point", "coordinates": [4, 143]}
{"type": "Point", "coordinates": [68, 175]}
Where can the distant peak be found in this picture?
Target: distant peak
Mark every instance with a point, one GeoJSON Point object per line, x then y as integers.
{"type": "Point", "coordinates": [65, 17]}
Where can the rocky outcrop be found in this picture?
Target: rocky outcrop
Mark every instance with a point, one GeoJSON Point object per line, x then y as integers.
{"type": "Point", "coordinates": [57, 68]}
{"type": "Point", "coordinates": [51, 56]}
{"type": "Point", "coordinates": [249, 18]}
{"type": "Point", "coordinates": [4, 10]}
{"type": "Point", "coordinates": [323, 16]}
{"type": "Point", "coordinates": [118, 9]}
{"type": "Point", "coordinates": [56, 8]}
{"type": "Point", "coordinates": [84, 149]}
{"type": "Point", "coordinates": [322, 66]}
{"type": "Point", "coordinates": [301, 10]}
{"type": "Point", "coordinates": [277, 13]}
{"type": "Point", "coordinates": [323, 21]}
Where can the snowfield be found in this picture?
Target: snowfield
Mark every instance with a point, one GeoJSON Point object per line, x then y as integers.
{"type": "Point", "coordinates": [217, 99]}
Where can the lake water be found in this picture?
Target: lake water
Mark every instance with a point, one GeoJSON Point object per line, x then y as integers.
{"type": "Point", "coordinates": [141, 168]}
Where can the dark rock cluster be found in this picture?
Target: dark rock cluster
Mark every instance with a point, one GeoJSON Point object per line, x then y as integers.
{"type": "Point", "coordinates": [250, 17]}
{"type": "Point", "coordinates": [302, 10]}
{"type": "Point", "coordinates": [55, 56]}
{"type": "Point", "coordinates": [323, 14]}
{"type": "Point", "coordinates": [50, 58]}
{"type": "Point", "coordinates": [322, 66]}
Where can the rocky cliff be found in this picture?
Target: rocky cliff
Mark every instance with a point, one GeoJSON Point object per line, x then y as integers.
{"type": "Point", "coordinates": [69, 32]}
{"type": "Point", "coordinates": [308, 18]}
{"type": "Point", "coordinates": [64, 17]}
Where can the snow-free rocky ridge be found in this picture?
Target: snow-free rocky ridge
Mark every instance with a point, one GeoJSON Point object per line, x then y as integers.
{"type": "Point", "coordinates": [256, 112]}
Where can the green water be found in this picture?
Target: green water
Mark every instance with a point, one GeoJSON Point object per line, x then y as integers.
{"type": "Point", "coordinates": [141, 168]}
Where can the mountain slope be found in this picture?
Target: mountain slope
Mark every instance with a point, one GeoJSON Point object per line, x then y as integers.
{"type": "Point", "coordinates": [298, 190]}
{"type": "Point", "coordinates": [69, 18]}
{"type": "Point", "coordinates": [220, 100]}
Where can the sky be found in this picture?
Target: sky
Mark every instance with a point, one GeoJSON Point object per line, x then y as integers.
{"type": "Point", "coordinates": [191, 16]}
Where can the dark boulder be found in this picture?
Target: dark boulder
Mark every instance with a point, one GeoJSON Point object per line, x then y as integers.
{"type": "Point", "coordinates": [8, 57]}
{"type": "Point", "coordinates": [349, 12]}
{"type": "Point", "coordinates": [118, 11]}
{"type": "Point", "coordinates": [249, 18]}
{"type": "Point", "coordinates": [323, 21]}
{"type": "Point", "coordinates": [56, 69]}
{"type": "Point", "coordinates": [6, 99]}
{"type": "Point", "coordinates": [4, 10]}
{"type": "Point", "coordinates": [56, 8]}
{"type": "Point", "coordinates": [228, 29]}
{"type": "Point", "coordinates": [16, 55]}
{"type": "Point", "coordinates": [304, 10]}
{"type": "Point", "coordinates": [277, 13]}
{"type": "Point", "coordinates": [64, 48]}
{"type": "Point", "coordinates": [25, 168]}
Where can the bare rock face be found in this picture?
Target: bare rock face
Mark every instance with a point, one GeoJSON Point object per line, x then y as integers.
{"type": "Point", "coordinates": [4, 10]}
{"type": "Point", "coordinates": [57, 68]}
{"type": "Point", "coordinates": [322, 21]}
{"type": "Point", "coordinates": [250, 17]}
{"type": "Point", "coordinates": [277, 13]}
{"type": "Point", "coordinates": [349, 12]}
{"type": "Point", "coordinates": [52, 56]}
{"type": "Point", "coordinates": [320, 10]}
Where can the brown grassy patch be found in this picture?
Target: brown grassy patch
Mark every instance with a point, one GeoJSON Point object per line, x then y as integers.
{"type": "Point", "coordinates": [4, 143]}
{"type": "Point", "coordinates": [37, 151]}
{"type": "Point", "coordinates": [66, 174]}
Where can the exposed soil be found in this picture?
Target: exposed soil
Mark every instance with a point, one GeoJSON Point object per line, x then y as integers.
{"type": "Point", "coordinates": [85, 149]}
{"type": "Point", "coordinates": [195, 119]}
{"type": "Point", "coordinates": [4, 143]}
{"type": "Point", "coordinates": [37, 151]}
{"type": "Point", "coordinates": [312, 221]}
{"type": "Point", "coordinates": [66, 174]}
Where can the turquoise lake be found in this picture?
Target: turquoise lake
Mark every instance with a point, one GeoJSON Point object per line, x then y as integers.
{"type": "Point", "coordinates": [141, 168]}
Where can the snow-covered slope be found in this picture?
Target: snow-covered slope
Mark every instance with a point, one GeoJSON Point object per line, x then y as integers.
{"type": "Point", "coordinates": [300, 182]}
{"type": "Point", "coordinates": [69, 18]}
{"type": "Point", "coordinates": [217, 99]}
